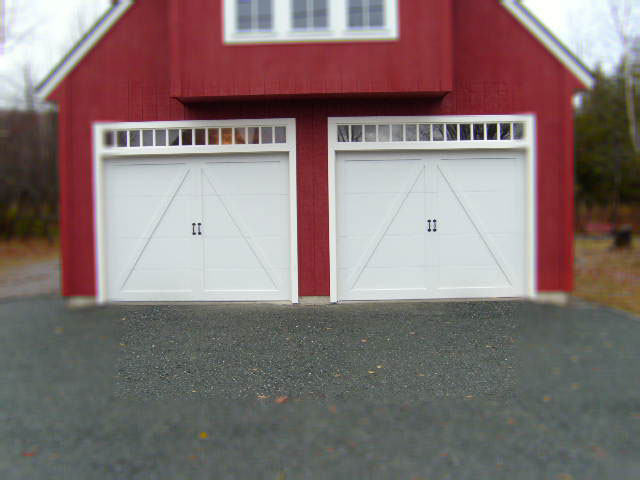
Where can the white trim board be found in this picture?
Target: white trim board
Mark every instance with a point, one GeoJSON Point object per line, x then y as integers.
{"type": "Point", "coordinates": [100, 153]}
{"type": "Point", "coordinates": [83, 48]}
{"type": "Point", "coordinates": [555, 47]}
{"type": "Point", "coordinates": [527, 145]}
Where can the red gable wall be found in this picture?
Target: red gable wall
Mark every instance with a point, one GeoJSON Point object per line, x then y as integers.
{"type": "Point", "coordinates": [499, 69]}
{"type": "Point", "coordinates": [203, 66]}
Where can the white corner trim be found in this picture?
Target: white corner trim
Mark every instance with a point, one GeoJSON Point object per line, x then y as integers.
{"type": "Point", "coordinates": [100, 153]}
{"type": "Point", "coordinates": [83, 49]}
{"type": "Point", "coordinates": [527, 146]}
{"type": "Point", "coordinates": [549, 42]}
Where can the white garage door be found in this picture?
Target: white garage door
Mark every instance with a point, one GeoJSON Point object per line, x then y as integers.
{"type": "Point", "coordinates": [208, 228]}
{"type": "Point", "coordinates": [431, 225]}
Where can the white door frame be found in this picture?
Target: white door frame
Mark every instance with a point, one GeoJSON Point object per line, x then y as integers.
{"type": "Point", "coordinates": [525, 143]}
{"type": "Point", "coordinates": [104, 149]}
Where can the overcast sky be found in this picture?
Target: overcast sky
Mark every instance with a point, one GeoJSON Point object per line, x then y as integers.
{"type": "Point", "coordinates": [45, 29]}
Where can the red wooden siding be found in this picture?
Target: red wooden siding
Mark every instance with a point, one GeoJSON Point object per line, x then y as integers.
{"type": "Point", "coordinates": [203, 66]}
{"type": "Point", "coordinates": [498, 68]}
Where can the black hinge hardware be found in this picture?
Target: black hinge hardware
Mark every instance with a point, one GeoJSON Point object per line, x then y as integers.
{"type": "Point", "coordinates": [193, 228]}
{"type": "Point", "coordinates": [429, 225]}
{"type": "Point", "coordinates": [199, 229]}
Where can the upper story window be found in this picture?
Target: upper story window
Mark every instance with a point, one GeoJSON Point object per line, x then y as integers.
{"type": "Point", "coordinates": [310, 14]}
{"type": "Point", "coordinates": [366, 13]}
{"type": "Point", "coordinates": [254, 15]}
{"type": "Point", "coordinates": [273, 21]}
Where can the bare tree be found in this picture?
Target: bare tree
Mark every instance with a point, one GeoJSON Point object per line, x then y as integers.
{"type": "Point", "coordinates": [625, 15]}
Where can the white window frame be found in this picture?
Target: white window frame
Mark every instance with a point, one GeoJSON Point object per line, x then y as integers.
{"type": "Point", "coordinates": [527, 146]}
{"type": "Point", "coordinates": [102, 153]}
{"type": "Point", "coordinates": [283, 31]}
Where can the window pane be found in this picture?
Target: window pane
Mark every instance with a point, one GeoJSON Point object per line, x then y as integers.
{"type": "Point", "coordinates": [356, 133]}
{"type": "Point", "coordinates": [227, 136]}
{"type": "Point", "coordinates": [343, 133]}
{"type": "Point", "coordinates": [244, 15]}
{"type": "Point", "coordinates": [412, 133]}
{"type": "Point", "coordinates": [161, 138]}
{"type": "Point", "coordinates": [397, 133]}
{"type": "Point", "coordinates": [281, 134]}
{"type": "Point", "coordinates": [369, 133]}
{"type": "Point", "coordinates": [492, 131]}
{"type": "Point", "coordinates": [134, 138]}
{"type": "Point", "coordinates": [267, 135]}
{"type": "Point", "coordinates": [264, 14]}
{"type": "Point", "coordinates": [122, 138]}
{"type": "Point", "coordinates": [465, 131]}
{"type": "Point", "coordinates": [147, 138]}
{"type": "Point", "coordinates": [187, 137]}
{"type": "Point", "coordinates": [214, 136]}
{"type": "Point", "coordinates": [438, 132]}
{"type": "Point", "coordinates": [109, 139]}
{"type": "Point", "coordinates": [384, 133]}
{"type": "Point", "coordinates": [200, 137]}
{"type": "Point", "coordinates": [300, 14]}
{"type": "Point", "coordinates": [518, 131]}
{"type": "Point", "coordinates": [505, 131]}
{"type": "Point", "coordinates": [356, 13]}
{"type": "Point", "coordinates": [320, 14]}
{"type": "Point", "coordinates": [174, 137]}
{"type": "Point", "coordinates": [425, 133]}
{"type": "Point", "coordinates": [452, 132]}
{"type": "Point", "coordinates": [254, 135]}
{"type": "Point", "coordinates": [241, 136]}
{"type": "Point", "coordinates": [376, 13]}
{"type": "Point", "coordinates": [478, 131]}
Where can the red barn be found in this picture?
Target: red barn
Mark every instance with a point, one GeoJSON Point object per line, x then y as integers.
{"type": "Point", "coordinates": [271, 150]}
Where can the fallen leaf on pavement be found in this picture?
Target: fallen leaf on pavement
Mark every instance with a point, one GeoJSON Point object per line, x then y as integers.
{"type": "Point", "coordinates": [511, 421]}
{"type": "Point", "coordinates": [412, 333]}
{"type": "Point", "coordinates": [59, 330]}
{"type": "Point", "coordinates": [372, 371]}
{"type": "Point", "coordinates": [546, 398]}
{"type": "Point", "coordinates": [281, 400]}
{"type": "Point", "coordinates": [333, 409]}
{"type": "Point", "coordinates": [203, 435]}
{"type": "Point", "coordinates": [263, 397]}
{"type": "Point", "coordinates": [379, 366]}
{"type": "Point", "coordinates": [564, 476]}
{"type": "Point", "coordinates": [29, 454]}
{"type": "Point", "coordinates": [364, 340]}
{"type": "Point", "coordinates": [575, 386]}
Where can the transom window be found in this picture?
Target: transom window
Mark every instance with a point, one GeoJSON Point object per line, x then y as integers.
{"type": "Point", "coordinates": [366, 13]}
{"type": "Point", "coordinates": [310, 14]}
{"type": "Point", "coordinates": [273, 21]}
{"type": "Point", "coordinates": [254, 15]}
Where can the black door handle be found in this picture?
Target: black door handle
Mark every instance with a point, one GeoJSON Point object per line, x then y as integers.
{"type": "Point", "coordinates": [435, 225]}
{"type": "Point", "coordinates": [199, 229]}
{"type": "Point", "coordinates": [193, 226]}
{"type": "Point", "coordinates": [429, 225]}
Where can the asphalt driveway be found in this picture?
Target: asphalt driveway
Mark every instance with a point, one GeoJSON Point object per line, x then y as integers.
{"type": "Point", "coordinates": [415, 391]}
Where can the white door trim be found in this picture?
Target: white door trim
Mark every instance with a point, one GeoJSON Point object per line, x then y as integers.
{"type": "Point", "coordinates": [525, 143]}
{"type": "Point", "coordinates": [102, 152]}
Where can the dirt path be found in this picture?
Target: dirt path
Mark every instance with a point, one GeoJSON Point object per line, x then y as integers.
{"type": "Point", "coordinates": [37, 278]}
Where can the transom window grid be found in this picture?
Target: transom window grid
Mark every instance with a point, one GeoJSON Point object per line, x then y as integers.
{"type": "Point", "coordinates": [310, 14]}
{"type": "Point", "coordinates": [366, 14]}
{"type": "Point", "coordinates": [431, 132]}
{"type": "Point", "coordinates": [254, 15]}
{"type": "Point", "coordinates": [194, 137]}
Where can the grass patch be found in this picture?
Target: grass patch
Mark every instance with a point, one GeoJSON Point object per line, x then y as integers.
{"type": "Point", "coordinates": [606, 276]}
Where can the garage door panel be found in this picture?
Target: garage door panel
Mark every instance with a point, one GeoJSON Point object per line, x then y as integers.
{"type": "Point", "coordinates": [263, 215]}
{"type": "Point", "coordinates": [241, 280]}
{"type": "Point", "coordinates": [393, 278]}
{"type": "Point", "coordinates": [177, 280]}
{"type": "Point", "coordinates": [246, 177]}
{"type": "Point", "coordinates": [399, 250]}
{"type": "Point", "coordinates": [472, 277]}
{"type": "Point", "coordinates": [481, 174]}
{"type": "Point", "coordinates": [133, 179]}
{"type": "Point", "coordinates": [362, 176]}
{"type": "Point", "coordinates": [465, 250]}
{"type": "Point", "coordinates": [503, 211]}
